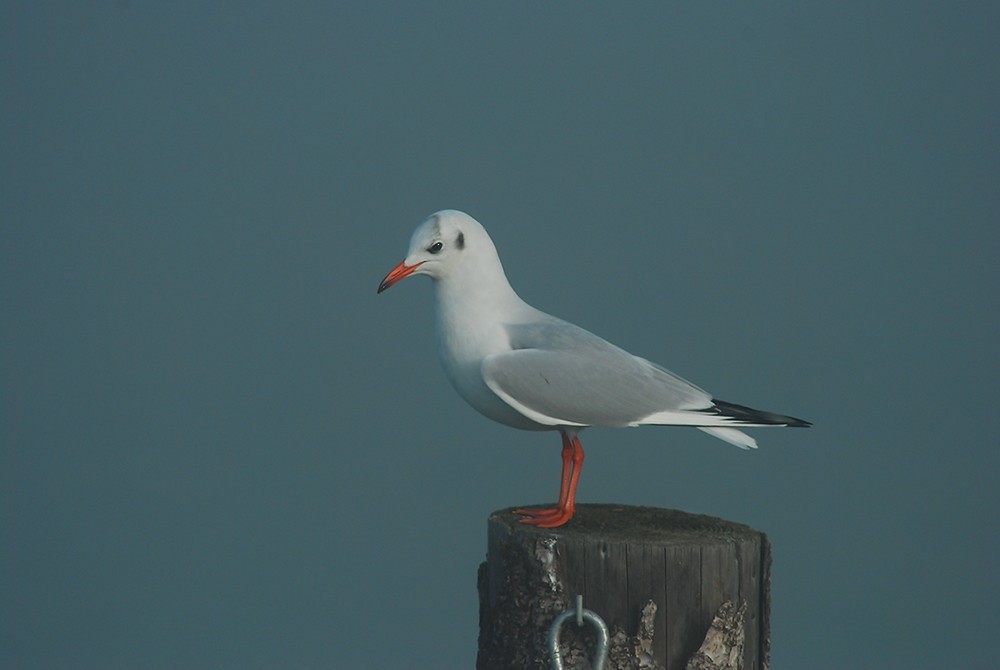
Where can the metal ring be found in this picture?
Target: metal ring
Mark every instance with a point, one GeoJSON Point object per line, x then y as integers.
{"type": "Point", "coordinates": [600, 653]}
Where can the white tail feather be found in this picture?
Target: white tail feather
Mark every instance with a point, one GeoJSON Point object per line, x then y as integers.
{"type": "Point", "coordinates": [732, 436]}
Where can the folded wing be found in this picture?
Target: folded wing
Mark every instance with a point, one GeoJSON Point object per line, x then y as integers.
{"type": "Point", "coordinates": [561, 375]}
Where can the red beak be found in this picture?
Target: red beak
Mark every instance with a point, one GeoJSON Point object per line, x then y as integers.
{"type": "Point", "coordinates": [401, 271]}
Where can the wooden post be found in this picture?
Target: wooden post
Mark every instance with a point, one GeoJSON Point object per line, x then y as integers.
{"type": "Point", "coordinates": [657, 577]}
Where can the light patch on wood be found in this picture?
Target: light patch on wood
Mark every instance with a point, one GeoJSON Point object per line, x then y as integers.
{"type": "Point", "coordinates": [723, 645]}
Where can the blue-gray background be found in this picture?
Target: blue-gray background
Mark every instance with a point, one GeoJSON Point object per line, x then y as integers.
{"type": "Point", "coordinates": [221, 449]}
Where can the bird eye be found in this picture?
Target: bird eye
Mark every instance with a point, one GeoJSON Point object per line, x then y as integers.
{"type": "Point", "coordinates": [436, 247]}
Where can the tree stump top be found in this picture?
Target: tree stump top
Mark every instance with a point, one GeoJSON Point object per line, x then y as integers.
{"type": "Point", "coordinates": [618, 523]}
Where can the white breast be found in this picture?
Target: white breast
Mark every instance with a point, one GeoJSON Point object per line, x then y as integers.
{"type": "Point", "coordinates": [466, 335]}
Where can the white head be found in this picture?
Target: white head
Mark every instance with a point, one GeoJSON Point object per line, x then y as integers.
{"type": "Point", "coordinates": [447, 244]}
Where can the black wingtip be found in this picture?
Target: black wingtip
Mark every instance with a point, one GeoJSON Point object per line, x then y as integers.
{"type": "Point", "coordinates": [749, 415]}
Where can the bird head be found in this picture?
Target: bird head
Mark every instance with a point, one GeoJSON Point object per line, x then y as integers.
{"type": "Point", "coordinates": [441, 246]}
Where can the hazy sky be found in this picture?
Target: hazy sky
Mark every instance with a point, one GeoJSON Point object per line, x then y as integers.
{"type": "Point", "coordinates": [220, 448]}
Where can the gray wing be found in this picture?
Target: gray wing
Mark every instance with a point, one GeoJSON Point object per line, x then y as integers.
{"type": "Point", "coordinates": [560, 374]}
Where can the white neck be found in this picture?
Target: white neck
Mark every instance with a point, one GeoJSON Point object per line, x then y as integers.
{"type": "Point", "coordinates": [472, 308]}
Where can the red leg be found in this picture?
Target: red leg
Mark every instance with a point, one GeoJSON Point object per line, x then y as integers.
{"type": "Point", "coordinates": [572, 456]}
{"type": "Point", "coordinates": [567, 471]}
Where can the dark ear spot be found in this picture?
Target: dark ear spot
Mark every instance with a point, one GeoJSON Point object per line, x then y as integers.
{"type": "Point", "coordinates": [460, 241]}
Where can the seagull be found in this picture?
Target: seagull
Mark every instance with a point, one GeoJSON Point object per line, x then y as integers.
{"type": "Point", "coordinates": [527, 369]}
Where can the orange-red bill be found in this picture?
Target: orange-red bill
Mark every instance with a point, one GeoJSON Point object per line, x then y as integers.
{"type": "Point", "coordinates": [401, 271]}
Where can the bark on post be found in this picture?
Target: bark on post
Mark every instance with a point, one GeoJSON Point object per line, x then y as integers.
{"type": "Point", "coordinates": [657, 577]}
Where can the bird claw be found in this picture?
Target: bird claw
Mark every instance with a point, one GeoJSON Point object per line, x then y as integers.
{"type": "Point", "coordinates": [545, 518]}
